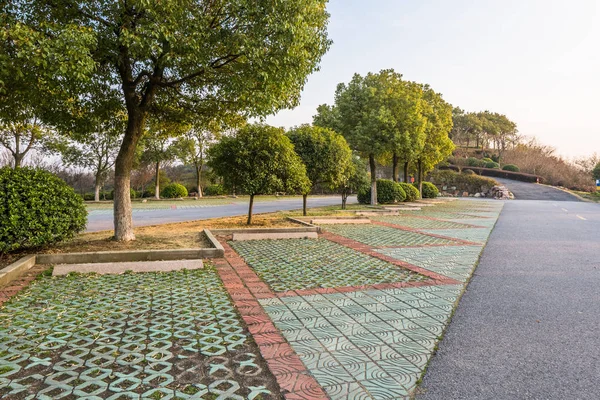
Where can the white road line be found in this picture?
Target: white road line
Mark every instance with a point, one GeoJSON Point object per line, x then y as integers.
{"type": "Point", "coordinates": [580, 217]}
{"type": "Point", "coordinates": [564, 209]}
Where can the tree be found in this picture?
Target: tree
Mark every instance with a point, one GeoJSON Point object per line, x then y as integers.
{"type": "Point", "coordinates": [355, 179]}
{"type": "Point", "coordinates": [96, 151]}
{"type": "Point", "coordinates": [259, 159]}
{"type": "Point", "coordinates": [325, 154]}
{"type": "Point", "coordinates": [20, 137]}
{"type": "Point", "coordinates": [596, 172]}
{"type": "Point", "coordinates": [197, 56]}
{"type": "Point", "coordinates": [360, 115]}
{"type": "Point", "coordinates": [437, 145]}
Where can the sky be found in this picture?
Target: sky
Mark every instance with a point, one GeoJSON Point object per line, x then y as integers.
{"type": "Point", "coordinates": [536, 61]}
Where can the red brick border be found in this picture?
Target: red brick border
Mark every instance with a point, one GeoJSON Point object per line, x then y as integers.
{"type": "Point", "coordinates": [245, 288]}
{"type": "Point", "coordinates": [20, 283]}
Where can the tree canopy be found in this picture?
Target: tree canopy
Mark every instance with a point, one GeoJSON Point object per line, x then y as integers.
{"type": "Point", "coordinates": [259, 159]}
{"type": "Point", "coordinates": [325, 153]}
{"type": "Point", "coordinates": [152, 57]}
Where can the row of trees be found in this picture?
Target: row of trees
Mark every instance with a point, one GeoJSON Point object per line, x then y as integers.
{"type": "Point", "coordinates": [384, 117]}
{"type": "Point", "coordinates": [76, 64]}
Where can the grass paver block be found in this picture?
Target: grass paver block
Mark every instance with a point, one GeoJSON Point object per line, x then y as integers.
{"type": "Point", "coordinates": [383, 236]}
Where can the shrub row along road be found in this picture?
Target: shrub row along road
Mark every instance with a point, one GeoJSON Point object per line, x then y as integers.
{"type": "Point", "coordinates": [530, 191]}
{"type": "Point", "coordinates": [527, 326]}
{"type": "Point", "coordinates": [100, 220]}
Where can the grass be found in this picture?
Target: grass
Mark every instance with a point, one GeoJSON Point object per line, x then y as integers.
{"type": "Point", "coordinates": [594, 196]}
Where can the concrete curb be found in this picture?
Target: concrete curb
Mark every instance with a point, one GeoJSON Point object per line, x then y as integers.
{"type": "Point", "coordinates": [223, 232]}
{"type": "Point", "coordinates": [126, 256]}
{"type": "Point", "coordinates": [16, 269]}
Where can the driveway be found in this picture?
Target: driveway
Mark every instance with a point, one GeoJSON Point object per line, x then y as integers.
{"type": "Point", "coordinates": [533, 191]}
{"type": "Point", "coordinates": [527, 326]}
{"type": "Point", "coordinates": [100, 220]}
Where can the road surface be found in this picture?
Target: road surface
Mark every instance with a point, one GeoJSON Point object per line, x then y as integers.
{"type": "Point", "coordinates": [532, 191]}
{"type": "Point", "coordinates": [99, 220]}
{"type": "Point", "coordinates": [528, 325]}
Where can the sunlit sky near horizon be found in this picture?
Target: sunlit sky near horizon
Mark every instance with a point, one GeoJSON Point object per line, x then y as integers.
{"type": "Point", "coordinates": [537, 61]}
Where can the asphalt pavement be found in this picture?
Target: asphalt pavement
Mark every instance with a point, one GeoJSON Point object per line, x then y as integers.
{"type": "Point", "coordinates": [103, 220]}
{"type": "Point", "coordinates": [532, 191]}
{"type": "Point", "coordinates": [527, 326]}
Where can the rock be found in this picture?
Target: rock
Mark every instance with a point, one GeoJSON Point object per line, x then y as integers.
{"type": "Point", "coordinates": [477, 195]}
{"type": "Point", "coordinates": [144, 201]}
{"type": "Point", "coordinates": [465, 194]}
{"type": "Point", "coordinates": [500, 193]}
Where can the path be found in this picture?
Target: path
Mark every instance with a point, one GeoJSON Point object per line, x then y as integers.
{"type": "Point", "coordinates": [99, 220]}
{"type": "Point", "coordinates": [527, 327]}
{"type": "Point", "coordinates": [533, 191]}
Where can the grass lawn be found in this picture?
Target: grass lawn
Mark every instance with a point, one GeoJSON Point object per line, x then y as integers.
{"type": "Point", "coordinates": [595, 196]}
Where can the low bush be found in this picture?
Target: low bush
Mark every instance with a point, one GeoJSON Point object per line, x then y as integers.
{"type": "Point", "coordinates": [487, 160]}
{"type": "Point", "coordinates": [412, 193]}
{"type": "Point", "coordinates": [474, 162]}
{"type": "Point", "coordinates": [214, 190]}
{"type": "Point", "coordinates": [388, 192]}
{"type": "Point", "coordinates": [511, 167]}
{"type": "Point", "coordinates": [445, 179]}
{"type": "Point", "coordinates": [88, 196]}
{"type": "Point", "coordinates": [428, 190]}
{"type": "Point", "coordinates": [174, 191]}
{"type": "Point", "coordinates": [498, 173]}
{"type": "Point", "coordinates": [492, 164]}
{"type": "Point", "coordinates": [36, 209]}
{"type": "Point", "coordinates": [468, 172]}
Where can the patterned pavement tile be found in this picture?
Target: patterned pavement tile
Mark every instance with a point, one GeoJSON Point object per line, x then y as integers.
{"type": "Point", "coordinates": [293, 264]}
{"type": "Point", "coordinates": [477, 235]}
{"type": "Point", "coordinates": [420, 223]}
{"type": "Point", "coordinates": [456, 262]}
{"type": "Point", "coordinates": [377, 342]}
{"type": "Point", "coordinates": [149, 336]}
{"type": "Point", "coordinates": [383, 236]}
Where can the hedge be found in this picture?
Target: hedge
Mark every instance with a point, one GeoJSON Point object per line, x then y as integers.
{"type": "Point", "coordinates": [511, 167]}
{"type": "Point", "coordinates": [214, 190]}
{"type": "Point", "coordinates": [36, 209]}
{"type": "Point", "coordinates": [498, 173]}
{"type": "Point", "coordinates": [462, 182]}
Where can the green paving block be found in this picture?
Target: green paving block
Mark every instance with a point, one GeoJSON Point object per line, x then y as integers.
{"type": "Point", "coordinates": [383, 236]}
{"type": "Point", "coordinates": [292, 264]}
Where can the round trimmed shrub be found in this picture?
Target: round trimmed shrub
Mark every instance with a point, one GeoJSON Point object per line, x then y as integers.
{"type": "Point", "coordinates": [174, 191]}
{"type": "Point", "coordinates": [468, 172]}
{"type": "Point", "coordinates": [412, 193]}
{"type": "Point", "coordinates": [511, 168]}
{"type": "Point", "coordinates": [487, 160]}
{"type": "Point", "coordinates": [492, 165]}
{"type": "Point", "coordinates": [214, 190]}
{"type": "Point", "coordinates": [388, 192]}
{"type": "Point", "coordinates": [429, 190]}
{"type": "Point", "coordinates": [473, 162]}
{"type": "Point", "coordinates": [36, 209]}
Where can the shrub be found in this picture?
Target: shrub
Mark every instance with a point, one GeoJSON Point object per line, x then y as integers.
{"type": "Point", "coordinates": [174, 191]}
{"type": "Point", "coordinates": [88, 196]}
{"type": "Point", "coordinates": [487, 160]}
{"type": "Point", "coordinates": [37, 208]}
{"type": "Point", "coordinates": [388, 192]}
{"type": "Point", "coordinates": [492, 164]}
{"type": "Point", "coordinates": [412, 193]}
{"type": "Point", "coordinates": [429, 190]}
{"type": "Point", "coordinates": [468, 172]}
{"type": "Point", "coordinates": [462, 182]}
{"type": "Point", "coordinates": [473, 162]}
{"type": "Point", "coordinates": [214, 190]}
{"type": "Point", "coordinates": [511, 167]}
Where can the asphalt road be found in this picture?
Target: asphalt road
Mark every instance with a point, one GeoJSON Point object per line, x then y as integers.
{"type": "Point", "coordinates": [103, 220]}
{"type": "Point", "coordinates": [528, 325]}
{"type": "Point", "coordinates": [531, 191]}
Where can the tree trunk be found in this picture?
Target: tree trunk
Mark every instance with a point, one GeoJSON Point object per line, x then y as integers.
{"type": "Point", "coordinates": [157, 181]}
{"type": "Point", "coordinates": [199, 180]}
{"type": "Point", "coordinates": [406, 172]}
{"type": "Point", "coordinates": [97, 190]}
{"type": "Point", "coordinates": [304, 196]}
{"type": "Point", "coordinates": [373, 167]}
{"type": "Point", "coordinates": [122, 200]}
{"type": "Point", "coordinates": [344, 199]}
{"type": "Point", "coordinates": [420, 175]}
{"type": "Point", "coordinates": [18, 159]}
{"type": "Point", "coordinates": [395, 167]}
{"type": "Point", "coordinates": [249, 222]}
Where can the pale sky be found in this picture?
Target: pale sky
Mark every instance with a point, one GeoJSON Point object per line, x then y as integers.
{"type": "Point", "coordinates": [537, 61]}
